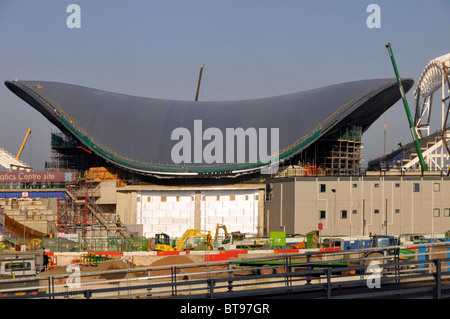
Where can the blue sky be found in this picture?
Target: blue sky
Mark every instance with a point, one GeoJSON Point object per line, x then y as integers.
{"type": "Point", "coordinates": [250, 49]}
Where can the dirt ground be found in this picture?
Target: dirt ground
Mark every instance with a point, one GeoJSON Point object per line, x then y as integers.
{"type": "Point", "coordinates": [110, 265]}
{"type": "Point", "coordinates": [102, 267]}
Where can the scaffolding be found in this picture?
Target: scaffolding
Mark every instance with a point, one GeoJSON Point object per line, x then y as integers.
{"type": "Point", "coordinates": [78, 213]}
{"type": "Point", "coordinates": [68, 154]}
{"type": "Point", "coordinates": [345, 155]}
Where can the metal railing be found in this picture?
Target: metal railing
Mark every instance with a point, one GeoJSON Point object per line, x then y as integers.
{"type": "Point", "coordinates": [315, 274]}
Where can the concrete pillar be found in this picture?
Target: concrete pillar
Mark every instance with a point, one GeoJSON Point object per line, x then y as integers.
{"type": "Point", "coordinates": [261, 227]}
{"type": "Point", "coordinates": [198, 207]}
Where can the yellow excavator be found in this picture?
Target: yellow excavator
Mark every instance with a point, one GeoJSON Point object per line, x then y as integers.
{"type": "Point", "coordinates": [162, 240]}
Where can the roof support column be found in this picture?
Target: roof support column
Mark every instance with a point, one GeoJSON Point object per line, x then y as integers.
{"type": "Point", "coordinates": [198, 208]}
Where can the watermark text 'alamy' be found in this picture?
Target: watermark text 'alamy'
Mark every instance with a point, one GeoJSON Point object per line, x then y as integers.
{"type": "Point", "coordinates": [223, 146]}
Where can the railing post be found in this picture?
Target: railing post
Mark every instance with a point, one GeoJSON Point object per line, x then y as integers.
{"type": "Point", "coordinates": [149, 290]}
{"type": "Point", "coordinates": [288, 270]}
{"type": "Point", "coordinates": [211, 282]}
{"type": "Point", "coordinates": [438, 294]}
{"type": "Point", "coordinates": [230, 277]}
{"type": "Point", "coordinates": [308, 268]}
{"type": "Point", "coordinates": [328, 283]}
{"type": "Point", "coordinates": [174, 281]}
{"type": "Point", "coordinates": [397, 265]}
{"type": "Point", "coordinates": [51, 288]}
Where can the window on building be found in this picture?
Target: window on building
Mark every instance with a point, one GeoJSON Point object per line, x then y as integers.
{"type": "Point", "coordinates": [354, 212]}
{"type": "Point", "coordinates": [322, 214]}
{"type": "Point", "coordinates": [397, 211]}
{"type": "Point", "coordinates": [416, 187]}
{"type": "Point", "coordinates": [446, 212]}
{"type": "Point", "coordinates": [376, 211]}
{"type": "Point", "coordinates": [343, 214]}
{"type": "Point", "coordinates": [323, 188]}
{"type": "Point", "coordinates": [355, 185]}
{"type": "Point", "coordinates": [397, 184]}
{"type": "Point", "coordinates": [436, 187]}
{"type": "Point", "coordinates": [376, 185]}
{"type": "Point", "coordinates": [436, 212]}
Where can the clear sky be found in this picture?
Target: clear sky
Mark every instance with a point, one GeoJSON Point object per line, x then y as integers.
{"type": "Point", "coordinates": [250, 49]}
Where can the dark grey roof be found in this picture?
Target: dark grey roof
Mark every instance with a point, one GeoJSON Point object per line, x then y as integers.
{"type": "Point", "coordinates": [135, 132]}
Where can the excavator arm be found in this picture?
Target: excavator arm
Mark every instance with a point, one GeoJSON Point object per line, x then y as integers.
{"type": "Point", "coordinates": [193, 232]}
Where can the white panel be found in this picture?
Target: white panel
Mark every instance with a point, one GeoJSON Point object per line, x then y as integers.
{"type": "Point", "coordinates": [173, 215]}
{"type": "Point", "coordinates": [166, 206]}
{"type": "Point", "coordinates": [236, 212]}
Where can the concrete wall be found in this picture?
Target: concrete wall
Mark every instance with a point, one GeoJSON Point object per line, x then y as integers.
{"type": "Point", "coordinates": [107, 192]}
{"type": "Point", "coordinates": [126, 206]}
{"type": "Point", "coordinates": [360, 205]}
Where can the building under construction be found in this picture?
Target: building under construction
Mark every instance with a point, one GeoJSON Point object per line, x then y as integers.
{"type": "Point", "coordinates": [131, 173]}
{"type": "Point", "coordinates": [174, 165]}
{"type": "Point", "coordinates": [180, 139]}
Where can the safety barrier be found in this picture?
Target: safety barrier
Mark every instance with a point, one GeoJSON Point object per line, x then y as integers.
{"type": "Point", "coordinates": [304, 275]}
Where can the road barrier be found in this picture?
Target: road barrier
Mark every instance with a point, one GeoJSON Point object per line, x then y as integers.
{"type": "Point", "coordinates": [324, 274]}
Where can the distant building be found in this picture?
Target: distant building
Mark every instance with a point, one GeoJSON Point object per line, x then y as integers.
{"type": "Point", "coordinates": [357, 206]}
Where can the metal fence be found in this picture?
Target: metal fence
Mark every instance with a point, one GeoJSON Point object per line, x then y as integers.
{"type": "Point", "coordinates": [342, 274]}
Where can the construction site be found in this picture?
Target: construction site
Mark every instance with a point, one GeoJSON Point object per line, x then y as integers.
{"type": "Point", "coordinates": [96, 205]}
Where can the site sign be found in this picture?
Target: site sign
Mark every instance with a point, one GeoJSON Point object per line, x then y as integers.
{"type": "Point", "coordinates": [36, 177]}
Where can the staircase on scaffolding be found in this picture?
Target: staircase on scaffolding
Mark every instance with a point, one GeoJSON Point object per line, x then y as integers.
{"type": "Point", "coordinates": [79, 213]}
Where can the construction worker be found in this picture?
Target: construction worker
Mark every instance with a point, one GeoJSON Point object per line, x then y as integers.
{"type": "Point", "coordinates": [2, 246]}
{"type": "Point", "coordinates": [45, 257]}
{"type": "Point", "coordinates": [118, 221]}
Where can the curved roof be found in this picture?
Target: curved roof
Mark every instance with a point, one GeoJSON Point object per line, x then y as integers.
{"type": "Point", "coordinates": [136, 133]}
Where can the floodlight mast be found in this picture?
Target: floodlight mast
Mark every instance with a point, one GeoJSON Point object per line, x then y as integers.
{"type": "Point", "coordinates": [423, 165]}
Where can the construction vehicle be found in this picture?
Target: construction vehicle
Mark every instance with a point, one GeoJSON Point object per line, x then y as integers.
{"type": "Point", "coordinates": [162, 240]}
{"type": "Point", "coordinates": [389, 248]}
{"type": "Point", "coordinates": [18, 272]}
{"type": "Point", "coordinates": [227, 242]}
{"type": "Point", "coordinates": [410, 239]}
{"type": "Point", "coordinates": [218, 227]}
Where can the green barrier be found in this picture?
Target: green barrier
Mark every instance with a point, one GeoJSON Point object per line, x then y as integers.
{"type": "Point", "coordinates": [92, 259]}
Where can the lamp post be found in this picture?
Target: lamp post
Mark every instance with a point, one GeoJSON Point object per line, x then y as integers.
{"type": "Point", "coordinates": [334, 215]}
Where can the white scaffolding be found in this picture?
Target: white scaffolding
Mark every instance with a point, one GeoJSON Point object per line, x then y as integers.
{"type": "Point", "coordinates": [10, 162]}
{"type": "Point", "coordinates": [434, 77]}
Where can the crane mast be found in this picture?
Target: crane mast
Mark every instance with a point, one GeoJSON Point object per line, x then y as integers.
{"type": "Point", "coordinates": [423, 165]}
{"type": "Point", "coordinates": [23, 144]}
